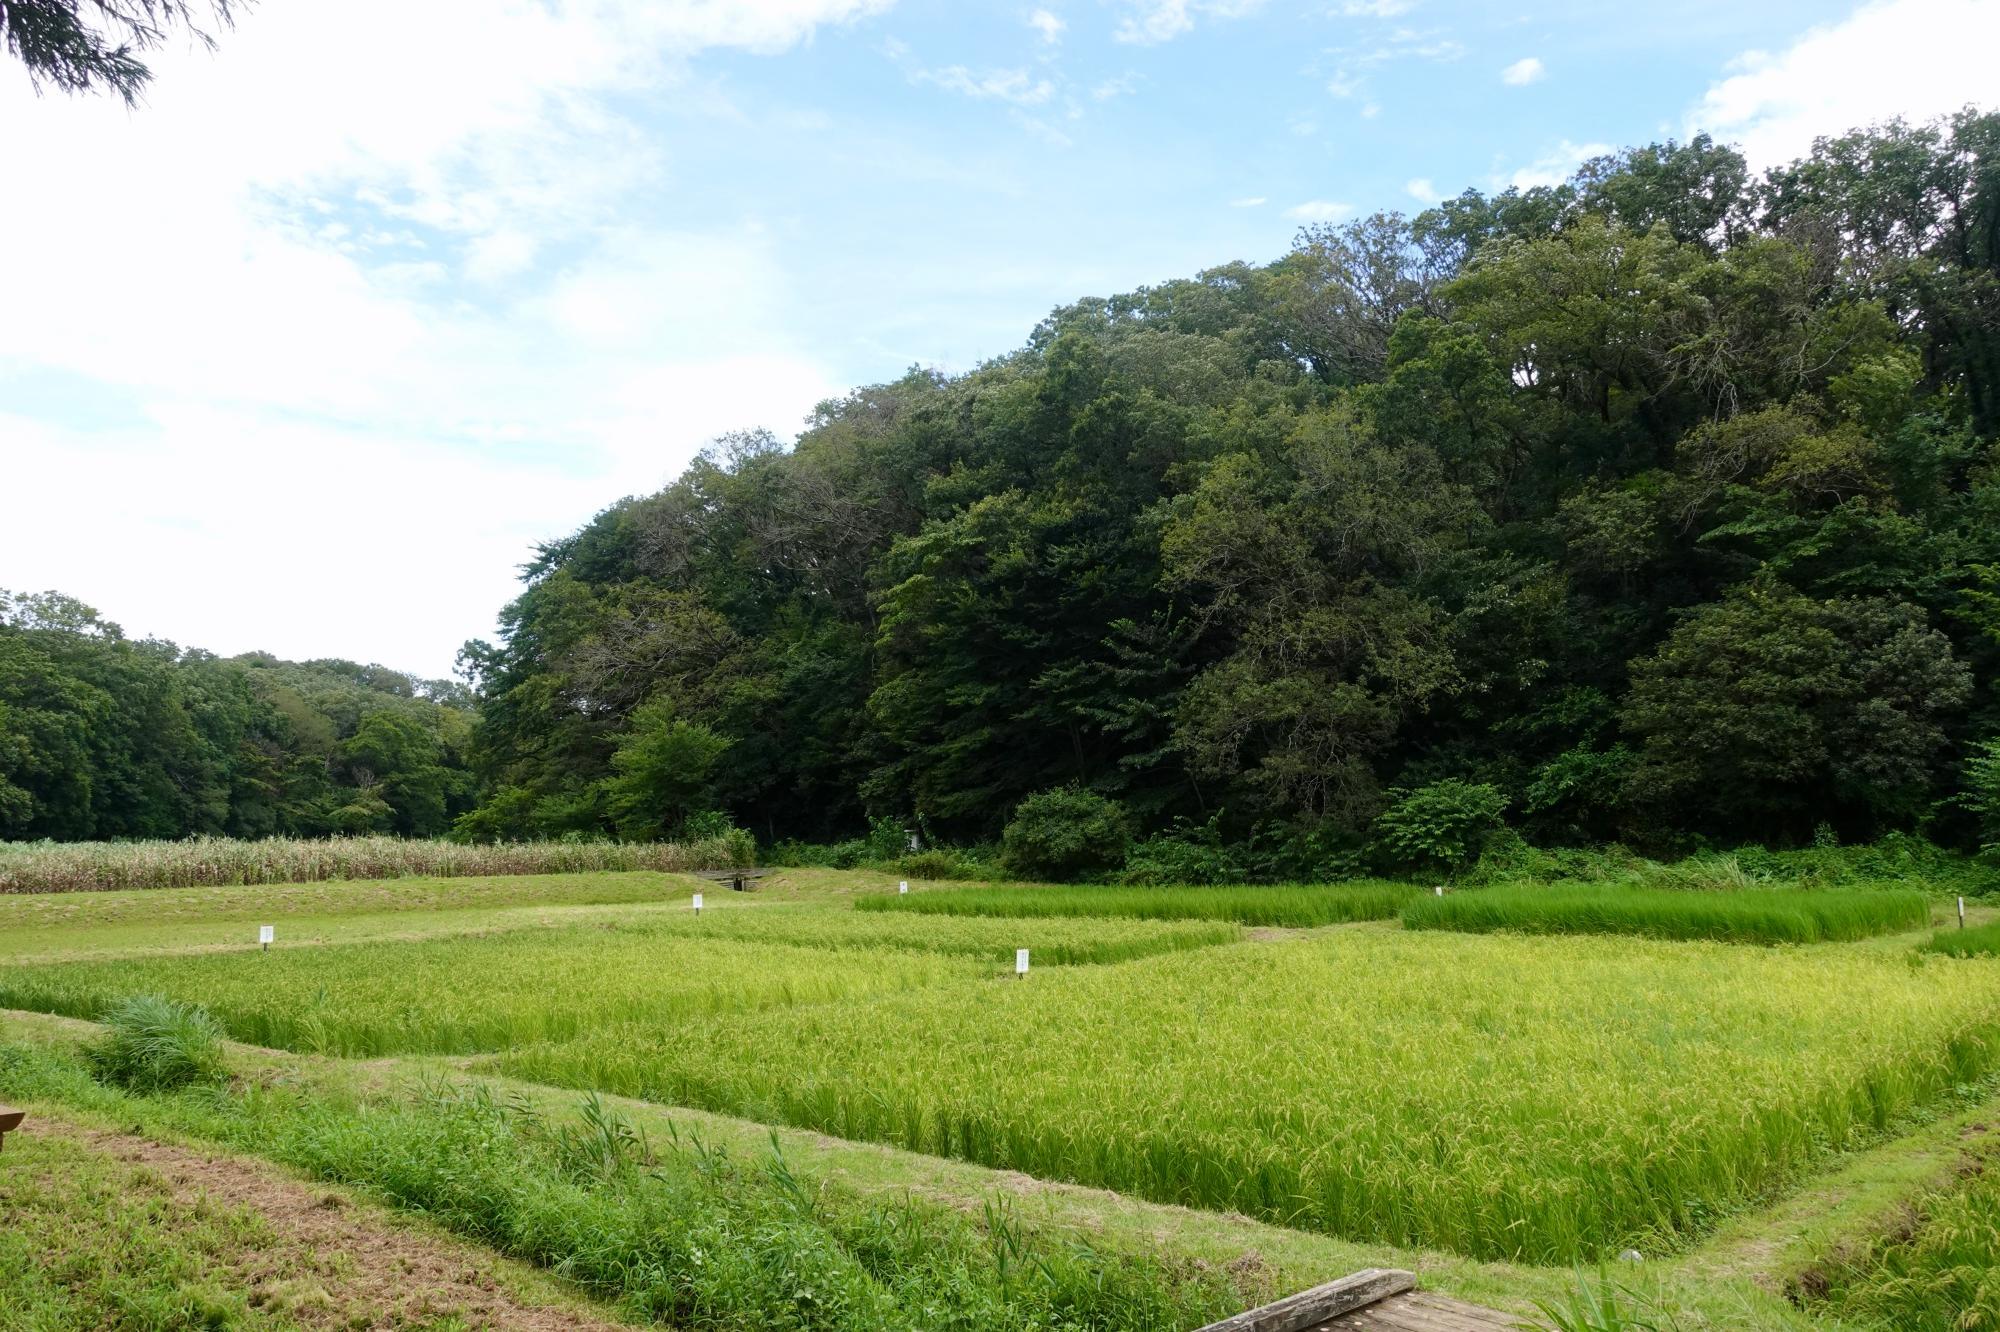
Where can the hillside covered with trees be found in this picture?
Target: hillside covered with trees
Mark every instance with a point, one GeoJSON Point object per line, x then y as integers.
{"type": "Point", "coordinates": [1660, 503]}
{"type": "Point", "coordinates": [105, 737]}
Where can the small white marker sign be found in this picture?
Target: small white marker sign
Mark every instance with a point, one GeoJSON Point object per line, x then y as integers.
{"type": "Point", "coordinates": [1020, 961]}
{"type": "Point", "coordinates": [265, 934]}
{"type": "Point", "coordinates": [1439, 890]}
{"type": "Point", "coordinates": [903, 886]}
{"type": "Point", "coordinates": [1961, 913]}
{"type": "Point", "coordinates": [697, 904]}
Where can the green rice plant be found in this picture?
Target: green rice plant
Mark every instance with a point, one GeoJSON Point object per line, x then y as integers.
{"type": "Point", "coordinates": [1296, 906]}
{"type": "Point", "coordinates": [1059, 941]}
{"type": "Point", "coordinates": [56, 867]}
{"type": "Point", "coordinates": [1939, 1271]}
{"type": "Point", "coordinates": [1764, 915]}
{"type": "Point", "coordinates": [462, 995]}
{"type": "Point", "coordinates": [1979, 941]}
{"type": "Point", "coordinates": [1551, 1099]}
{"type": "Point", "coordinates": [155, 1044]}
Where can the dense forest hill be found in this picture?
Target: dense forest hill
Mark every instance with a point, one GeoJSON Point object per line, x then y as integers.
{"type": "Point", "coordinates": [102, 736]}
{"type": "Point", "coordinates": [1663, 502]}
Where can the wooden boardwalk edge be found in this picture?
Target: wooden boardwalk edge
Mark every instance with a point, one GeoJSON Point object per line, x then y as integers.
{"type": "Point", "coordinates": [1383, 1298]}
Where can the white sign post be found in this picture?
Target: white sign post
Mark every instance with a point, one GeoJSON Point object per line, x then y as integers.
{"type": "Point", "coordinates": [265, 934]}
{"type": "Point", "coordinates": [902, 886]}
{"type": "Point", "coordinates": [1439, 890]}
{"type": "Point", "coordinates": [1021, 963]}
{"type": "Point", "coordinates": [1961, 913]}
{"type": "Point", "coordinates": [697, 904]}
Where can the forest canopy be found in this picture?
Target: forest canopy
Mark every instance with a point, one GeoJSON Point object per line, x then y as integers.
{"type": "Point", "coordinates": [1662, 502]}
{"type": "Point", "coordinates": [1660, 505]}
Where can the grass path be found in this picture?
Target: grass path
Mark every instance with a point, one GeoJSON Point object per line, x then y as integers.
{"type": "Point", "coordinates": [115, 1229]}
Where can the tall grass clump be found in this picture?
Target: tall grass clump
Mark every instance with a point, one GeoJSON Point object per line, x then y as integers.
{"type": "Point", "coordinates": [1979, 941]}
{"type": "Point", "coordinates": [1761, 915]}
{"type": "Point", "coordinates": [1296, 906]}
{"type": "Point", "coordinates": [155, 1044]}
{"type": "Point", "coordinates": [1544, 1099]}
{"type": "Point", "coordinates": [58, 867]}
{"type": "Point", "coordinates": [671, 1229]}
{"type": "Point", "coordinates": [1059, 941]}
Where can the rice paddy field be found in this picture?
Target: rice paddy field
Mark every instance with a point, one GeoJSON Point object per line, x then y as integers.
{"type": "Point", "coordinates": [1495, 1087]}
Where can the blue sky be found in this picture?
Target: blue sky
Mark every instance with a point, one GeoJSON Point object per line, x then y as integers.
{"type": "Point", "coordinates": [317, 344]}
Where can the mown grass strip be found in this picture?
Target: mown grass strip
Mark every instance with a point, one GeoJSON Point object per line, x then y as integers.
{"type": "Point", "coordinates": [1979, 941]}
{"type": "Point", "coordinates": [1537, 1098]}
{"type": "Point", "coordinates": [1295, 906]}
{"type": "Point", "coordinates": [1762, 916]}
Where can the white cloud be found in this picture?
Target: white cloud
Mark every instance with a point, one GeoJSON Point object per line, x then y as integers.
{"type": "Point", "coordinates": [372, 341]}
{"type": "Point", "coordinates": [1015, 86]}
{"type": "Point", "coordinates": [1523, 72]}
{"type": "Point", "coordinates": [1353, 66]}
{"type": "Point", "coordinates": [1122, 86]}
{"type": "Point", "coordinates": [1911, 58]}
{"type": "Point", "coordinates": [1152, 21]}
{"type": "Point", "coordinates": [1049, 25]}
{"type": "Point", "coordinates": [1376, 8]}
{"type": "Point", "coordinates": [1319, 210]}
{"type": "Point", "coordinates": [1421, 189]}
{"type": "Point", "coordinates": [1555, 166]}
{"type": "Point", "coordinates": [1254, 201]}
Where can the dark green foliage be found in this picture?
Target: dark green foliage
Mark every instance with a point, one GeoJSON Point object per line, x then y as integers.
{"type": "Point", "coordinates": [153, 1044]}
{"type": "Point", "coordinates": [104, 737]}
{"type": "Point", "coordinates": [77, 46]}
{"type": "Point", "coordinates": [1756, 915]}
{"type": "Point", "coordinates": [1064, 834]}
{"type": "Point", "coordinates": [1663, 503]}
{"type": "Point", "coordinates": [1280, 905]}
{"type": "Point", "coordinates": [1444, 825]}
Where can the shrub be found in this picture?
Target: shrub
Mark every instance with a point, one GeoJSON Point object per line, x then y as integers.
{"type": "Point", "coordinates": [154, 1044]}
{"type": "Point", "coordinates": [1066, 833]}
{"type": "Point", "coordinates": [1192, 853]}
{"type": "Point", "coordinates": [1445, 824]}
{"type": "Point", "coordinates": [938, 863]}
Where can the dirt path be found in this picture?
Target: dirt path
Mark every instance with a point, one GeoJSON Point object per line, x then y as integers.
{"type": "Point", "coordinates": [336, 1262]}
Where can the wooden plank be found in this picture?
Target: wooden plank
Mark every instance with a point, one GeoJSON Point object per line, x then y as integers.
{"type": "Point", "coordinates": [1422, 1311]}
{"type": "Point", "coordinates": [1309, 1308]}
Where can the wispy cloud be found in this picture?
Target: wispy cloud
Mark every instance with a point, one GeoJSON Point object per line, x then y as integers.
{"type": "Point", "coordinates": [1421, 189]}
{"type": "Point", "coordinates": [1523, 72]}
{"type": "Point", "coordinates": [1380, 9]}
{"type": "Point", "coordinates": [1254, 201]}
{"type": "Point", "coordinates": [1017, 87]}
{"type": "Point", "coordinates": [1122, 86]}
{"type": "Point", "coordinates": [1555, 166]}
{"type": "Point", "coordinates": [1350, 73]}
{"type": "Point", "coordinates": [1149, 22]}
{"type": "Point", "coordinates": [1319, 210]}
{"type": "Point", "coordinates": [1049, 25]}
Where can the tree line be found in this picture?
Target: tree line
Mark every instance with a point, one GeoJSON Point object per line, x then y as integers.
{"type": "Point", "coordinates": [1662, 503]}
{"type": "Point", "coordinates": [104, 737]}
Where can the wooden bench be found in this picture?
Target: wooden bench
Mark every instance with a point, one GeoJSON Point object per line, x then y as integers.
{"type": "Point", "coordinates": [1376, 1299]}
{"type": "Point", "coordinates": [10, 1119]}
{"type": "Point", "coordinates": [738, 879]}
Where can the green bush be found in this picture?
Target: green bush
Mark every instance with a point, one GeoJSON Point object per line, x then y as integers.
{"type": "Point", "coordinates": [154, 1044]}
{"type": "Point", "coordinates": [939, 863]}
{"type": "Point", "coordinates": [1444, 825]}
{"type": "Point", "coordinates": [1192, 853]}
{"type": "Point", "coordinates": [1065, 834]}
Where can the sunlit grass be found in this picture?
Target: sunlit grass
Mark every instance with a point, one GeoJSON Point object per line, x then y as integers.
{"type": "Point", "coordinates": [1757, 915]}
{"type": "Point", "coordinates": [1295, 905]}
{"type": "Point", "coordinates": [1549, 1099]}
